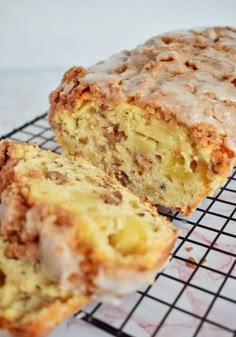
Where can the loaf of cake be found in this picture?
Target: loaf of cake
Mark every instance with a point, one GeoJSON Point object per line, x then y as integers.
{"type": "Point", "coordinates": [90, 235]}
{"type": "Point", "coordinates": [161, 117]}
{"type": "Point", "coordinates": [30, 304]}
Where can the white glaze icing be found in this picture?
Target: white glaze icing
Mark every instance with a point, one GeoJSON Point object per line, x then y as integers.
{"type": "Point", "coordinates": [190, 74]}
{"type": "Point", "coordinates": [112, 289]}
{"type": "Point", "coordinates": [57, 259]}
{"type": "Point", "coordinates": [60, 261]}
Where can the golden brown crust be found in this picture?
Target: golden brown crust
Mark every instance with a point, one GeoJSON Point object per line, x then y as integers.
{"type": "Point", "coordinates": [54, 313]}
{"type": "Point", "coordinates": [41, 327]}
{"type": "Point", "coordinates": [6, 170]}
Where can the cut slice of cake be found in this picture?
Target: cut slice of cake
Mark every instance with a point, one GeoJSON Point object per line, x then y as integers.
{"type": "Point", "coordinates": [30, 304]}
{"type": "Point", "coordinates": [91, 235]}
{"type": "Point", "coordinates": [161, 117]}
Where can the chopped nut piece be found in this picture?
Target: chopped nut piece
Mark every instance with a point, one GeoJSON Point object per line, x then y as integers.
{"type": "Point", "coordinates": [2, 278]}
{"type": "Point", "coordinates": [58, 177]}
{"type": "Point", "coordinates": [162, 186]}
{"type": "Point", "coordinates": [123, 178]}
{"type": "Point", "coordinates": [25, 252]}
{"type": "Point", "coordinates": [141, 214]}
{"type": "Point", "coordinates": [114, 133]}
{"type": "Point", "coordinates": [114, 198]}
{"type": "Point", "coordinates": [234, 82]}
{"type": "Point", "coordinates": [84, 140]}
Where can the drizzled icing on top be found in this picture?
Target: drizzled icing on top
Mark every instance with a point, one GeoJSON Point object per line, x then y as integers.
{"type": "Point", "coordinates": [190, 75]}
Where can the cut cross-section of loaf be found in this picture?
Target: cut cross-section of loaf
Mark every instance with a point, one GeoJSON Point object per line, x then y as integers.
{"type": "Point", "coordinates": [30, 304]}
{"type": "Point", "coordinates": [91, 235]}
{"type": "Point", "coordinates": [162, 117]}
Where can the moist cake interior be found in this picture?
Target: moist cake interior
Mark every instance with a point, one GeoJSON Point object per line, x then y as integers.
{"type": "Point", "coordinates": [153, 157]}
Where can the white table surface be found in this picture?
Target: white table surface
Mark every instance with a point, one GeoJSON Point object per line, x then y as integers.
{"type": "Point", "coordinates": [39, 40]}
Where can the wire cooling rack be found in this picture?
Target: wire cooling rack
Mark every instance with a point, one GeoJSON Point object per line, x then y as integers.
{"type": "Point", "coordinates": [194, 296]}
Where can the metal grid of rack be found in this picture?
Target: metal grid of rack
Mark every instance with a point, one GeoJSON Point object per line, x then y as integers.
{"type": "Point", "coordinates": [195, 296]}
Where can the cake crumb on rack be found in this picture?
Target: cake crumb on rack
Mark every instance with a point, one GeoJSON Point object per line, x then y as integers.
{"type": "Point", "coordinates": [189, 249]}
{"type": "Point", "coordinates": [191, 262]}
